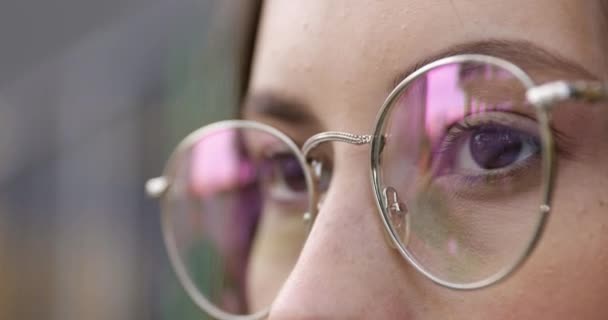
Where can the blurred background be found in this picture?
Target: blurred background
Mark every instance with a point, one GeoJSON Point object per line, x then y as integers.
{"type": "Point", "coordinates": [94, 95]}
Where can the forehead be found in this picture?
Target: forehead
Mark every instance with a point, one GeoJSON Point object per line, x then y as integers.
{"type": "Point", "coordinates": [343, 56]}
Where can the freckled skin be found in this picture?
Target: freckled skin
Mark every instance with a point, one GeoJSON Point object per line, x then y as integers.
{"type": "Point", "coordinates": [339, 57]}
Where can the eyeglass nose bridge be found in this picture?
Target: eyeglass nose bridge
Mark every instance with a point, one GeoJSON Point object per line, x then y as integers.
{"type": "Point", "coordinates": [332, 136]}
{"type": "Point", "coordinates": [313, 142]}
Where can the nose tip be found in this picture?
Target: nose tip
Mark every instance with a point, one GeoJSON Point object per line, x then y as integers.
{"type": "Point", "coordinates": [346, 270]}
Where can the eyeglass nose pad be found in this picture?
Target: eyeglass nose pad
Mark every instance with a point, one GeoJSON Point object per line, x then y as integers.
{"type": "Point", "coordinates": [316, 167]}
{"type": "Point", "coordinates": [398, 216]}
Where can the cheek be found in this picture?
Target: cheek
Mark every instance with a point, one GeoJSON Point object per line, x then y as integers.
{"type": "Point", "coordinates": [276, 246]}
{"type": "Point", "coordinates": [565, 276]}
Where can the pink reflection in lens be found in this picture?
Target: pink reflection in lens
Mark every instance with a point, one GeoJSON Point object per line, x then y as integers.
{"type": "Point", "coordinates": [457, 90]}
{"type": "Point", "coordinates": [444, 99]}
{"type": "Point", "coordinates": [217, 165]}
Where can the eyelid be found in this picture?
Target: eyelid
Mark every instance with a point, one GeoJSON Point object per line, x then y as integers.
{"type": "Point", "coordinates": [275, 148]}
{"type": "Point", "coordinates": [263, 146]}
{"type": "Point", "coordinates": [563, 142]}
{"type": "Point", "coordinates": [523, 122]}
{"type": "Point", "coordinates": [495, 91]}
{"type": "Point", "coordinates": [504, 118]}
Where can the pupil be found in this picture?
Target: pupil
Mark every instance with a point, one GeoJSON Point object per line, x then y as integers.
{"type": "Point", "coordinates": [495, 147]}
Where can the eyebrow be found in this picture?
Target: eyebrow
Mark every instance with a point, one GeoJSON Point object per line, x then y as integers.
{"type": "Point", "coordinates": [527, 55]}
{"type": "Point", "coordinates": [273, 105]}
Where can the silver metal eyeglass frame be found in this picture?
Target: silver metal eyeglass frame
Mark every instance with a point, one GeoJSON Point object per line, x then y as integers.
{"type": "Point", "coordinates": [542, 97]}
{"type": "Point", "coordinates": [161, 186]}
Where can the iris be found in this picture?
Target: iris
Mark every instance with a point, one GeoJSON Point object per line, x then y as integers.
{"type": "Point", "coordinates": [494, 147]}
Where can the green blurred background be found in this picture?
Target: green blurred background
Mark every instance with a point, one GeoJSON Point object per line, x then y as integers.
{"type": "Point", "coordinates": [94, 95]}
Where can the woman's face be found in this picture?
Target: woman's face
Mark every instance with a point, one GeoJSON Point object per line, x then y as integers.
{"type": "Point", "coordinates": [329, 65]}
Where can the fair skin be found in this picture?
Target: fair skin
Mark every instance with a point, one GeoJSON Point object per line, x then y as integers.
{"type": "Point", "coordinates": [338, 60]}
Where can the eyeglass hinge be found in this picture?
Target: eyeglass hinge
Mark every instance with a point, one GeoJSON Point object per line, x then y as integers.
{"type": "Point", "coordinates": [547, 95]}
{"type": "Point", "coordinates": [156, 187]}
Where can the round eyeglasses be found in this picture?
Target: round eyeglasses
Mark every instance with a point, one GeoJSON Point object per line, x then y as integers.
{"type": "Point", "coordinates": [462, 169]}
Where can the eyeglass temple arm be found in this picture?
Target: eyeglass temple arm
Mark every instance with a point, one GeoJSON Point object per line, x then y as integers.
{"type": "Point", "coordinates": [547, 95]}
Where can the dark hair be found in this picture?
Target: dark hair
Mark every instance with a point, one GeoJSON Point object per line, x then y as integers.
{"type": "Point", "coordinates": [604, 30]}
{"type": "Point", "coordinates": [250, 30]}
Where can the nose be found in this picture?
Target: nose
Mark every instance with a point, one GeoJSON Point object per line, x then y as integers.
{"type": "Point", "coordinates": [346, 269]}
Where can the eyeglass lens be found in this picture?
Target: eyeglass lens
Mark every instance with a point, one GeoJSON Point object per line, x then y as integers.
{"type": "Point", "coordinates": [235, 216]}
{"type": "Point", "coordinates": [462, 156]}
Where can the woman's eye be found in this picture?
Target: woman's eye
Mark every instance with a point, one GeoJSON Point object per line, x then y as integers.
{"type": "Point", "coordinates": [495, 147]}
{"type": "Point", "coordinates": [285, 178]}
{"type": "Point", "coordinates": [485, 149]}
